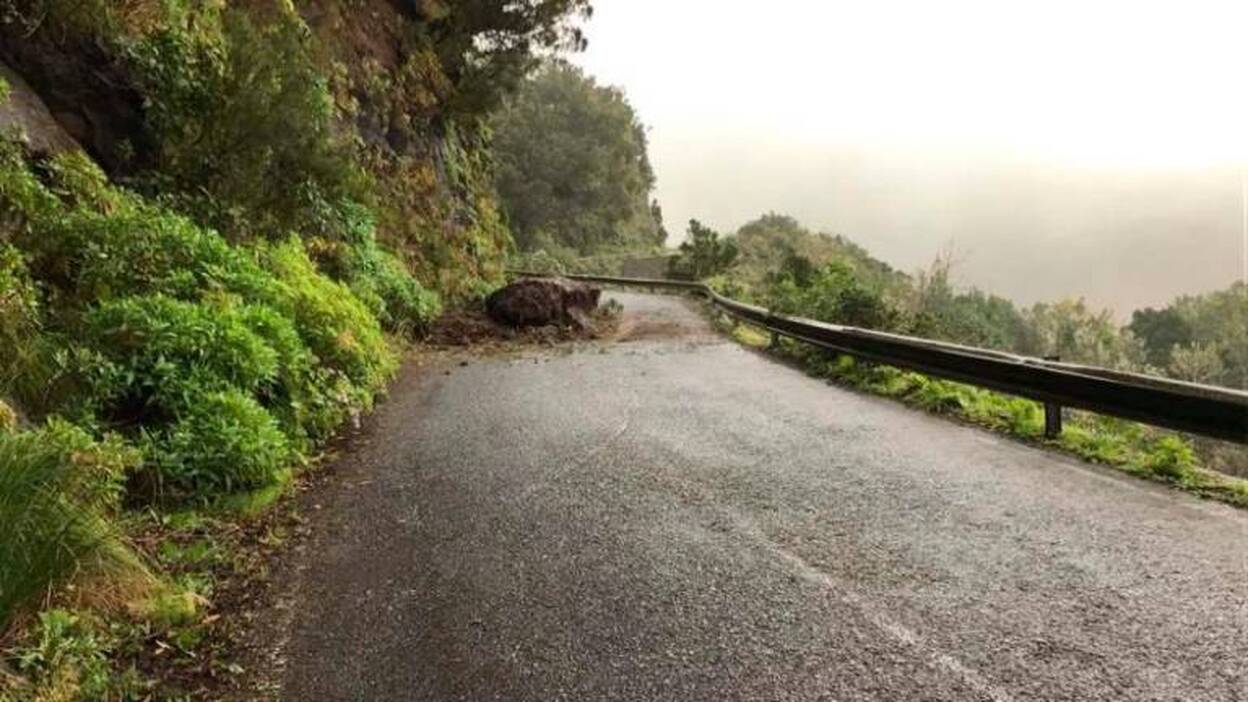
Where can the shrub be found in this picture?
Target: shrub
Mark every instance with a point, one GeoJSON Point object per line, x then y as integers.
{"type": "Point", "coordinates": [834, 293]}
{"type": "Point", "coordinates": [57, 487]}
{"type": "Point", "coordinates": [308, 400]}
{"type": "Point", "coordinates": [703, 254]}
{"type": "Point", "coordinates": [1171, 458]}
{"type": "Point", "coordinates": [377, 277]}
{"type": "Point", "coordinates": [408, 307]}
{"type": "Point", "coordinates": [147, 313]}
{"type": "Point", "coordinates": [138, 249]}
{"type": "Point", "coordinates": [335, 325]}
{"type": "Point", "coordinates": [169, 351]}
{"type": "Point", "coordinates": [19, 314]}
{"type": "Point", "coordinates": [244, 121]}
{"type": "Point", "coordinates": [223, 441]}
{"type": "Point", "coordinates": [19, 305]}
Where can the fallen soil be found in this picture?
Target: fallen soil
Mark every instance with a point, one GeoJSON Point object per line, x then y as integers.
{"type": "Point", "coordinates": [460, 328]}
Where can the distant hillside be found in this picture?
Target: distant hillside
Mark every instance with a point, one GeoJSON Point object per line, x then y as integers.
{"type": "Point", "coordinates": [768, 241]}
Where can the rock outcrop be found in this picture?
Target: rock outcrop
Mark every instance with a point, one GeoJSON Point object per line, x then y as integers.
{"type": "Point", "coordinates": [26, 113]}
{"type": "Point", "coordinates": [541, 301]}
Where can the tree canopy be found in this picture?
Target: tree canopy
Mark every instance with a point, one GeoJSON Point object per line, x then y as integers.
{"type": "Point", "coordinates": [573, 171]}
{"type": "Point", "coordinates": [704, 253]}
{"type": "Point", "coordinates": [487, 47]}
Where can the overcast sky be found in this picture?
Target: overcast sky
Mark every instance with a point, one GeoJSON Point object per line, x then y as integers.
{"type": "Point", "coordinates": [1092, 148]}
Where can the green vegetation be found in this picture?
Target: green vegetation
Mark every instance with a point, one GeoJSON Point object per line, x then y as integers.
{"type": "Point", "coordinates": [1202, 338]}
{"type": "Point", "coordinates": [573, 174]}
{"type": "Point", "coordinates": [703, 254]}
{"type": "Point", "coordinates": [58, 488]}
{"type": "Point", "coordinates": [791, 270]}
{"type": "Point", "coordinates": [243, 124]}
{"type": "Point", "coordinates": [273, 196]}
{"type": "Point", "coordinates": [67, 657]}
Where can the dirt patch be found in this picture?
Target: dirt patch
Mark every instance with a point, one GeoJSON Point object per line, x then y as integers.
{"type": "Point", "coordinates": [635, 327]}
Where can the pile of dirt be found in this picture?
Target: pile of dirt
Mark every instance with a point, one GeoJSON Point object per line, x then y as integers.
{"type": "Point", "coordinates": [475, 328]}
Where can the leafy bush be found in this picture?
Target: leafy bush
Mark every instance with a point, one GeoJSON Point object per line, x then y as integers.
{"type": "Point", "coordinates": [57, 487]}
{"type": "Point", "coordinates": [150, 318]}
{"type": "Point", "coordinates": [336, 326]}
{"type": "Point", "coordinates": [168, 351]}
{"type": "Point", "coordinates": [307, 399]}
{"type": "Point", "coordinates": [244, 121]}
{"type": "Point", "coordinates": [1171, 458]}
{"type": "Point", "coordinates": [703, 254]}
{"type": "Point", "coordinates": [19, 311]}
{"type": "Point", "coordinates": [833, 293]}
{"type": "Point", "coordinates": [377, 277]}
{"type": "Point", "coordinates": [223, 441]}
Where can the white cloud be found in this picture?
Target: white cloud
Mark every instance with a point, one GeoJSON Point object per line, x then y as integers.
{"type": "Point", "coordinates": [1001, 124]}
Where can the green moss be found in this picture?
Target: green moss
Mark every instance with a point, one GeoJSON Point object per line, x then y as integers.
{"type": "Point", "coordinates": [252, 503]}
{"type": "Point", "coordinates": [8, 418]}
{"type": "Point", "coordinates": [170, 608]}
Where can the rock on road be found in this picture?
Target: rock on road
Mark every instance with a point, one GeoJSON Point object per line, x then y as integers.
{"type": "Point", "coordinates": [674, 517]}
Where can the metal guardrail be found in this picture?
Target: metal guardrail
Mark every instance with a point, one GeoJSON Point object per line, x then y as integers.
{"type": "Point", "coordinates": [1217, 412]}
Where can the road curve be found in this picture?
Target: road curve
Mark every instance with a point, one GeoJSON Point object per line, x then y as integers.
{"type": "Point", "coordinates": [677, 518]}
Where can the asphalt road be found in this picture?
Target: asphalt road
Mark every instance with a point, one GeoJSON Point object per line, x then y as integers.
{"type": "Point", "coordinates": [673, 517]}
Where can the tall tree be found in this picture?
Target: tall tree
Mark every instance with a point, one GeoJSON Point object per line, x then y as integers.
{"type": "Point", "coordinates": [572, 165]}
{"type": "Point", "coordinates": [487, 47]}
{"type": "Point", "coordinates": [1160, 331]}
{"type": "Point", "coordinates": [704, 253]}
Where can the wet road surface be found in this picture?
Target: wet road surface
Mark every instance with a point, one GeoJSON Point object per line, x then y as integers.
{"type": "Point", "coordinates": [673, 517]}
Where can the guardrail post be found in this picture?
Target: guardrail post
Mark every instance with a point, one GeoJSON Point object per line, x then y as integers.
{"type": "Point", "coordinates": [1052, 413]}
{"type": "Point", "coordinates": [774, 343]}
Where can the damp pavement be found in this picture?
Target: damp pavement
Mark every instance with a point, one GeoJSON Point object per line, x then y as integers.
{"type": "Point", "coordinates": [670, 516]}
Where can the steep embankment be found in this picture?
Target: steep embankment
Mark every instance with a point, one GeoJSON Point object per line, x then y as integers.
{"type": "Point", "coordinates": [218, 222]}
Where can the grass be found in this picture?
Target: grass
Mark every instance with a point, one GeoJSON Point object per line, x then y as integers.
{"type": "Point", "coordinates": [172, 642]}
{"type": "Point", "coordinates": [1143, 451]}
{"type": "Point", "coordinates": [58, 488]}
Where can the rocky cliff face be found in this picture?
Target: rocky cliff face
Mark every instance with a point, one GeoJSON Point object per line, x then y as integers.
{"type": "Point", "coordinates": [26, 113]}
{"type": "Point", "coordinates": [83, 85]}
{"type": "Point", "coordinates": [129, 80]}
{"type": "Point", "coordinates": [433, 171]}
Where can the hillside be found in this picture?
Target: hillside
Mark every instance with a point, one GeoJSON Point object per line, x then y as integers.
{"type": "Point", "coordinates": [777, 263]}
{"type": "Point", "coordinates": [766, 243]}
{"type": "Point", "coordinates": [220, 226]}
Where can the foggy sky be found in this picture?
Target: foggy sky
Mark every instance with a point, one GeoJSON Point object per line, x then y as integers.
{"type": "Point", "coordinates": [1084, 149]}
